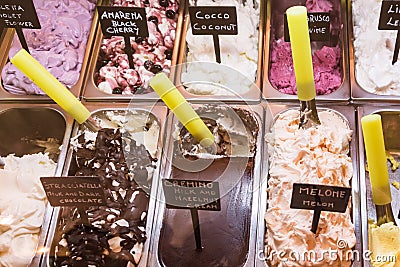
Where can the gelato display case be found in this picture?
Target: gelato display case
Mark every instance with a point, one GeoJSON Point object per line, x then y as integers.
{"type": "Point", "coordinates": [125, 155]}
{"type": "Point", "coordinates": [330, 54]}
{"type": "Point", "coordinates": [29, 149]}
{"type": "Point", "coordinates": [62, 44]}
{"type": "Point", "coordinates": [326, 155]}
{"type": "Point", "coordinates": [382, 241]}
{"type": "Point", "coordinates": [227, 235]}
{"type": "Point", "coordinates": [142, 152]}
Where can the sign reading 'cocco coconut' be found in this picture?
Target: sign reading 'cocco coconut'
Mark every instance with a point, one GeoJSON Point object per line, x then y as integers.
{"type": "Point", "coordinates": [211, 20]}
{"type": "Point", "coordinates": [215, 21]}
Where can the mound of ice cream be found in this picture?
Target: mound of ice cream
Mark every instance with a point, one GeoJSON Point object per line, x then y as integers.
{"type": "Point", "coordinates": [239, 53]}
{"type": "Point", "coordinates": [326, 60]}
{"type": "Point", "coordinates": [384, 243]}
{"type": "Point", "coordinates": [115, 234]}
{"type": "Point", "coordinates": [59, 45]}
{"type": "Point", "coordinates": [318, 155]}
{"type": "Point", "coordinates": [22, 206]}
{"type": "Point", "coordinates": [151, 55]}
{"type": "Point", "coordinates": [373, 50]}
{"type": "Point", "coordinates": [225, 234]}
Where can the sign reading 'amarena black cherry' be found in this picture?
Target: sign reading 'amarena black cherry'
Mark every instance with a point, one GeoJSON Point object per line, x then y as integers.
{"type": "Point", "coordinates": [215, 21]}
{"type": "Point", "coordinates": [124, 21]}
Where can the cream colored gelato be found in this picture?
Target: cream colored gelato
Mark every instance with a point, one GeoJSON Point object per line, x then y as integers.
{"type": "Point", "coordinates": [373, 50]}
{"type": "Point", "coordinates": [317, 155]}
{"type": "Point", "coordinates": [22, 206]}
{"type": "Point", "coordinates": [239, 54]}
{"type": "Point", "coordinates": [384, 243]}
{"type": "Point", "coordinates": [140, 126]}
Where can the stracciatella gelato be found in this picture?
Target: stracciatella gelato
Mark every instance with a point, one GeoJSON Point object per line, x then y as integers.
{"type": "Point", "coordinates": [118, 154]}
{"type": "Point", "coordinates": [239, 54]}
{"type": "Point", "coordinates": [59, 45]}
{"type": "Point", "coordinates": [317, 155]}
{"type": "Point", "coordinates": [384, 243]}
{"type": "Point", "coordinates": [373, 50]}
{"type": "Point", "coordinates": [22, 206]}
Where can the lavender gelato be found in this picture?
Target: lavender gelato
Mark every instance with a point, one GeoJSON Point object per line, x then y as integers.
{"type": "Point", "coordinates": [59, 45]}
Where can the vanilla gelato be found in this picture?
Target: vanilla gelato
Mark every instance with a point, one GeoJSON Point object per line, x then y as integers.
{"type": "Point", "coordinates": [22, 206]}
{"type": "Point", "coordinates": [384, 243]}
{"type": "Point", "coordinates": [318, 155]}
{"type": "Point", "coordinates": [373, 50]}
{"type": "Point", "coordinates": [239, 54]}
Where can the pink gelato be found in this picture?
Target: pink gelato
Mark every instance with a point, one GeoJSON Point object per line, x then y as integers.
{"type": "Point", "coordinates": [326, 59]}
{"type": "Point", "coordinates": [326, 64]}
{"type": "Point", "coordinates": [151, 55]}
{"type": "Point", "coordinates": [59, 45]}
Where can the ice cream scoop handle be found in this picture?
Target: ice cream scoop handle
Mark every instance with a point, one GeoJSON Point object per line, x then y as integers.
{"type": "Point", "coordinates": [50, 85]}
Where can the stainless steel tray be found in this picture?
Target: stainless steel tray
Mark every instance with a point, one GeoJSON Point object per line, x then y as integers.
{"type": "Point", "coordinates": [154, 257]}
{"type": "Point", "coordinates": [23, 123]}
{"type": "Point", "coordinates": [76, 89]}
{"type": "Point", "coordinates": [252, 96]}
{"type": "Point", "coordinates": [347, 112]}
{"type": "Point", "coordinates": [159, 112]}
{"type": "Point", "coordinates": [342, 94]}
{"type": "Point", "coordinates": [359, 94]}
{"type": "Point", "coordinates": [91, 92]}
{"type": "Point", "coordinates": [390, 126]}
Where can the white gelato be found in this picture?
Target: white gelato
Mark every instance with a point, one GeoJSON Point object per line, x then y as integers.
{"type": "Point", "coordinates": [317, 155]}
{"type": "Point", "coordinates": [239, 54]}
{"type": "Point", "coordinates": [22, 206]}
{"type": "Point", "coordinates": [373, 50]}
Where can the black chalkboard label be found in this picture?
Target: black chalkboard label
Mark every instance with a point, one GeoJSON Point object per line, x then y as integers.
{"type": "Point", "coordinates": [18, 14]}
{"type": "Point", "coordinates": [320, 197]}
{"type": "Point", "coordinates": [190, 194]}
{"type": "Point", "coordinates": [318, 26]}
{"type": "Point", "coordinates": [213, 20]}
{"type": "Point", "coordinates": [123, 21]}
{"type": "Point", "coordinates": [76, 191]}
{"type": "Point", "coordinates": [389, 18]}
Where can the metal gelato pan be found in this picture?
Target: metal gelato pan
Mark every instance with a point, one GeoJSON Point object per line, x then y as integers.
{"type": "Point", "coordinates": [239, 77]}
{"type": "Point", "coordinates": [373, 76]}
{"type": "Point", "coordinates": [123, 227]}
{"type": "Point", "coordinates": [227, 235]}
{"type": "Point", "coordinates": [62, 46]}
{"type": "Point", "coordinates": [109, 74]}
{"type": "Point", "coordinates": [25, 130]}
{"type": "Point", "coordinates": [347, 113]}
{"type": "Point", "coordinates": [278, 73]}
{"type": "Point", "coordinates": [390, 126]}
